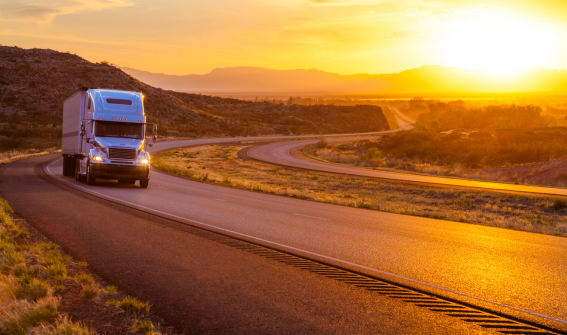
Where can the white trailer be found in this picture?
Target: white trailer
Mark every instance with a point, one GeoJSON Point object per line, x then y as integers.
{"type": "Point", "coordinates": [104, 136]}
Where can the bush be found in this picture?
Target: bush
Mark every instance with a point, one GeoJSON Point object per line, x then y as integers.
{"type": "Point", "coordinates": [322, 144]}
{"type": "Point", "coordinates": [559, 204]}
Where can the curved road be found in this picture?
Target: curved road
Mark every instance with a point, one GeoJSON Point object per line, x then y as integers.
{"type": "Point", "coordinates": [289, 154]}
{"type": "Point", "coordinates": [139, 239]}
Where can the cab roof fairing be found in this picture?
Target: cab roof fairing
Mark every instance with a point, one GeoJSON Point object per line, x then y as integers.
{"type": "Point", "coordinates": [113, 111]}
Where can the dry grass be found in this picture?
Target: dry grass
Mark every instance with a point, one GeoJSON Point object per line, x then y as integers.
{"type": "Point", "coordinates": [130, 304]}
{"type": "Point", "coordinates": [358, 154]}
{"type": "Point", "coordinates": [36, 280]}
{"type": "Point", "coordinates": [14, 155]}
{"type": "Point", "coordinates": [220, 165]}
{"type": "Point", "coordinates": [62, 326]}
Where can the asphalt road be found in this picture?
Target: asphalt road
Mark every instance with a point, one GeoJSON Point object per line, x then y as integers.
{"type": "Point", "coordinates": [199, 285]}
{"type": "Point", "coordinates": [138, 238]}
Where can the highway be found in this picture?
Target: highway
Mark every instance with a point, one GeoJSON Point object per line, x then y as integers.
{"type": "Point", "coordinates": [143, 240]}
{"type": "Point", "coordinates": [289, 154]}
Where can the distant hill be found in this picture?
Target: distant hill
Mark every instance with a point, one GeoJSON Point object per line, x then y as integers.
{"type": "Point", "coordinates": [35, 82]}
{"type": "Point", "coordinates": [426, 79]}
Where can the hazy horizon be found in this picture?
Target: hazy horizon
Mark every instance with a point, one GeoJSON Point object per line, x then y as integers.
{"type": "Point", "coordinates": [478, 70]}
{"type": "Point", "coordinates": [432, 80]}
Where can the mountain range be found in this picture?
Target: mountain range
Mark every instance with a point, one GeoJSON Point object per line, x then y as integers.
{"type": "Point", "coordinates": [425, 79]}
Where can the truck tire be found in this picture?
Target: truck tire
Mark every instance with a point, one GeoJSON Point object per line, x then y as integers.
{"type": "Point", "coordinates": [91, 179]}
{"type": "Point", "coordinates": [144, 183]}
{"type": "Point", "coordinates": [68, 166]}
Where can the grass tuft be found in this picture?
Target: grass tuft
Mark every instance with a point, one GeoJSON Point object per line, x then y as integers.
{"type": "Point", "coordinates": [63, 326]}
{"type": "Point", "coordinates": [144, 327]}
{"type": "Point", "coordinates": [130, 304]}
{"type": "Point", "coordinates": [91, 291]}
{"type": "Point", "coordinates": [31, 290]}
{"type": "Point", "coordinates": [84, 278]}
{"type": "Point", "coordinates": [111, 290]}
{"type": "Point", "coordinates": [26, 315]}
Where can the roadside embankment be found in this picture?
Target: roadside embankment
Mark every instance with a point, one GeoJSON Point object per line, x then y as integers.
{"type": "Point", "coordinates": [44, 291]}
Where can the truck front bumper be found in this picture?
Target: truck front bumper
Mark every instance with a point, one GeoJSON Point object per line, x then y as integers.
{"type": "Point", "coordinates": [114, 171]}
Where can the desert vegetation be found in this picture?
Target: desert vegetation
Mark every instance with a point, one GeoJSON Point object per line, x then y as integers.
{"type": "Point", "coordinates": [509, 143]}
{"type": "Point", "coordinates": [35, 82]}
{"type": "Point", "coordinates": [14, 155]}
{"type": "Point", "coordinates": [221, 165]}
{"type": "Point", "coordinates": [43, 291]}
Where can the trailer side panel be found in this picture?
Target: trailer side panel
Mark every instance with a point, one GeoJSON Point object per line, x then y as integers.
{"type": "Point", "coordinates": [73, 113]}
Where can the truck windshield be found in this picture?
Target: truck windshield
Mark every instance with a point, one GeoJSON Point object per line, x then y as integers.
{"type": "Point", "coordinates": [118, 129]}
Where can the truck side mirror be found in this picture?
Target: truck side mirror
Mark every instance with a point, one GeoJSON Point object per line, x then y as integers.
{"type": "Point", "coordinates": [150, 144]}
{"type": "Point", "coordinates": [154, 137]}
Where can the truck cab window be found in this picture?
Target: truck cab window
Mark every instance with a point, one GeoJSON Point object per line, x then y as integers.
{"type": "Point", "coordinates": [119, 129]}
{"type": "Point", "coordinates": [89, 106]}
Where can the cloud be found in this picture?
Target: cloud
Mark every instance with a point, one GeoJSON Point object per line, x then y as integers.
{"type": "Point", "coordinates": [45, 11]}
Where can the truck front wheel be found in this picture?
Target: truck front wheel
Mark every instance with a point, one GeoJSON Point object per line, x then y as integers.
{"type": "Point", "coordinates": [90, 178]}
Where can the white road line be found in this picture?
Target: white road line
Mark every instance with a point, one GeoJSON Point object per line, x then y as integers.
{"type": "Point", "coordinates": [350, 264]}
{"type": "Point", "coordinates": [314, 217]}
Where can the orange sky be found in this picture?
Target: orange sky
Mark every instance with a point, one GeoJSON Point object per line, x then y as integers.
{"type": "Point", "coordinates": [343, 36]}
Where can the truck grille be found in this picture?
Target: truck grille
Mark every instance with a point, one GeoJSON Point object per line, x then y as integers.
{"type": "Point", "coordinates": [122, 153]}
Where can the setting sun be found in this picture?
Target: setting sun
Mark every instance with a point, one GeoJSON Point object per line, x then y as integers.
{"type": "Point", "coordinates": [499, 45]}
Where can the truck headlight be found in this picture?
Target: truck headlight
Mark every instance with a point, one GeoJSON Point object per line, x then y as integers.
{"type": "Point", "coordinates": [98, 159]}
{"type": "Point", "coordinates": [145, 161]}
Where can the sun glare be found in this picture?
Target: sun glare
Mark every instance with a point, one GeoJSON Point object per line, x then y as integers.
{"type": "Point", "coordinates": [498, 46]}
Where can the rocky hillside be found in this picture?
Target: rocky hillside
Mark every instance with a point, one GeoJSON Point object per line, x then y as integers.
{"type": "Point", "coordinates": [35, 82]}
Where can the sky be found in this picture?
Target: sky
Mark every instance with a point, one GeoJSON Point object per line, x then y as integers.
{"type": "Point", "coordinates": [342, 36]}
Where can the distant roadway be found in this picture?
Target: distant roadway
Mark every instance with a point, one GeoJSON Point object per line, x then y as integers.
{"type": "Point", "coordinates": [289, 153]}
{"type": "Point", "coordinates": [145, 240]}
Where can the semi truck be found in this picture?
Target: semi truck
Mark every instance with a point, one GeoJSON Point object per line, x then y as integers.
{"type": "Point", "coordinates": [104, 136]}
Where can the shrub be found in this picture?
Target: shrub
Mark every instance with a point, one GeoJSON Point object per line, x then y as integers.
{"type": "Point", "coordinates": [322, 143]}
{"type": "Point", "coordinates": [559, 204]}
{"type": "Point", "coordinates": [364, 205]}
